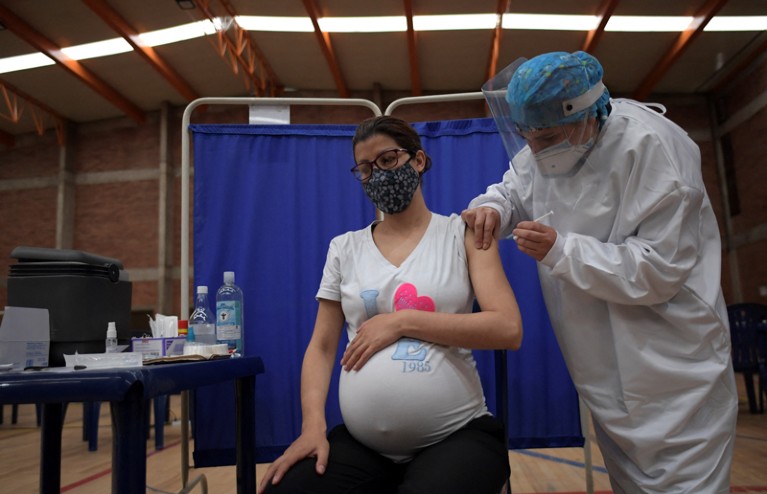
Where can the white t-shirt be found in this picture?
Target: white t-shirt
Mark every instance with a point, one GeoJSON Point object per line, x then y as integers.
{"type": "Point", "coordinates": [411, 394]}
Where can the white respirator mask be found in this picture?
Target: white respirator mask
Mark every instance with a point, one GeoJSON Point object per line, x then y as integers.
{"type": "Point", "coordinates": [564, 158]}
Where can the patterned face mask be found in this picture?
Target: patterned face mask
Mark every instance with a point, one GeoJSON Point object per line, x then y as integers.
{"type": "Point", "coordinates": [392, 190]}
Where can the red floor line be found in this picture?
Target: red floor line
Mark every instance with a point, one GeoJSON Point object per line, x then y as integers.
{"type": "Point", "coordinates": [102, 473]}
{"type": "Point", "coordinates": [86, 480]}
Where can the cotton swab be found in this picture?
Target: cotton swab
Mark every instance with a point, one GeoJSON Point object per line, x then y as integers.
{"type": "Point", "coordinates": [537, 220]}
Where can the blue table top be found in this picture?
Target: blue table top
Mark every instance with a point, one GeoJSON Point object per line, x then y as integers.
{"type": "Point", "coordinates": [60, 385]}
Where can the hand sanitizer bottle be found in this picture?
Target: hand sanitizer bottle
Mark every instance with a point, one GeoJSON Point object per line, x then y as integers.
{"type": "Point", "coordinates": [111, 341]}
{"type": "Point", "coordinates": [229, 318]}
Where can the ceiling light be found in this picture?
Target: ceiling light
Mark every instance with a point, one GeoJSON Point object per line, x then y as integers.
{"type": "Point", "coordinates": [550, 22]}
{"type": "Point", "coordinates": [736, 23]}
{"type": "Point", "coordinates": [648, 24]}
{"type": "Point", "coordinates": [454, 22]}
{"type": "Point", "coordinates": [174, 34]}
{"type": "Point", "coordinates": [186, 4]}
{"type": "Point", "coordinates": [24, 62]}
{"type": "Point", "coordinates": [381, 24]}
{"type": "Point", "coordinates": [104, 48]}
{"type": "Point", "coordinates": [275, 24]}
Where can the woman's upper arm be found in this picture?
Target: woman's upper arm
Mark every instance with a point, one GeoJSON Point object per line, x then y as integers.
{"type": "Point", "coordinates": [488, 278]}
{"type": "Point", "coordinates": [328, 325]}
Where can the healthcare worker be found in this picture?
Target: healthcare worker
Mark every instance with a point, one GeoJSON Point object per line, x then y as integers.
{"type": "Point", "coordinates": [629, 260]}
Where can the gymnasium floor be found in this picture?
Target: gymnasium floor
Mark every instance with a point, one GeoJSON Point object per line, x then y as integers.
{"type": "Point", "coordinates": [560, 471]}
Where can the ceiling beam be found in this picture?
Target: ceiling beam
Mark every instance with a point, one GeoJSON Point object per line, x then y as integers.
{"type": "Point", "coordinates": [270, 83]}
{"type": "Point", "coordinates": [42, 44]}
{"type": "Point", "coordinates": [326, 46]}
{"type": "Point", "coordinates": [604, 12]}
{"type": "Point", "coordinates": [114, 20]}
{"type": "Point", "coordinates": [683, 41]}
{"type": "Point", "coordinates": [495, 47]}
{"type": "Point", "coordinates": [241, 52]}
{"type": "Point", "coordinates": [412, 52]}
{"type": "Point", "coordinates": [58, 121]}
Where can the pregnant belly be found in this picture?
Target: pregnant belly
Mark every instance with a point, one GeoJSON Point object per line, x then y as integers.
{"type": "Point", "coordinates": [409, 396]}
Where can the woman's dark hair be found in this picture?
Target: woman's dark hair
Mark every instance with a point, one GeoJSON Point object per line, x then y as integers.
{"type": "Point", "coordinates": [403, 134]}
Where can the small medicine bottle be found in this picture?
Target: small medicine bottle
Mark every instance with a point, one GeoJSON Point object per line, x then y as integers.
{"type": "Point", "coordinates": [111, 341]}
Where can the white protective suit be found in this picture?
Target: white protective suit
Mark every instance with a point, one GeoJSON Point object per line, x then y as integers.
{"type": "Point", "coordinates": [632, 287]}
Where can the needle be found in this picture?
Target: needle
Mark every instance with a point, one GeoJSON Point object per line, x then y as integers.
{"type": "Point", "coordinates": [538, 220]}
{"type": "Point", "coordinates": [541, 218]}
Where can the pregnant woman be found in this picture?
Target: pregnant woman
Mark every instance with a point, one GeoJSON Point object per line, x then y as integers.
{"type": "Point", "coordinates": [415, 418]}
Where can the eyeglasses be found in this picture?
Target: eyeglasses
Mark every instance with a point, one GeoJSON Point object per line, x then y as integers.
{"type": "Point", "coordinates": [385, 161]}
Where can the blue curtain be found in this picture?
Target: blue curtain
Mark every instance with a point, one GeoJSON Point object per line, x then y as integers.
{"type": "Point", "coordinates": [267, 202]}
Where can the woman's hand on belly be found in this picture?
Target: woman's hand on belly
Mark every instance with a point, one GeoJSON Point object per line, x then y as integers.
{"type": "Point", "coordinates": [373, 335]}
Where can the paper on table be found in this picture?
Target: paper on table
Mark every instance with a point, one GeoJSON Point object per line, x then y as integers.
{"type": "Point", "coordinates": [103, 360]}
{"type": "Point", "coordinates": [25, 337]}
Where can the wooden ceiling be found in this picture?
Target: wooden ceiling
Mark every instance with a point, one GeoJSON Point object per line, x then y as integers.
{"type": "Point", "coordinates": [237, 62]}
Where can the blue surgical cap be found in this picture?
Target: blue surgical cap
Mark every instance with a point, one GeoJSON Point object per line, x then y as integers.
{"type": "Point", "coordinates": [540, 85]}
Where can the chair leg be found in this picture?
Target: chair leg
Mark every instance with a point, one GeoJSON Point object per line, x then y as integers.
{"type": "Point", "coordinates": [86, 418]}
{"type": "Point", "coordinates": [148, 418]}
{"type": "Point", "coordinates": [91, 413]}
{"type": "Point", "coordinates": [160, 407]}
{"type": "Point", "coordinates": [191, 413]}
{"type": "Point", "coordinates": [14, 414]}
{"type": "Point", "coordinates": [749, 379]}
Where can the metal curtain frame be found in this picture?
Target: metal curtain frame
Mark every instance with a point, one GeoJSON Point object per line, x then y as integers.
{"type": "Point", "coordinates": [185, 197]}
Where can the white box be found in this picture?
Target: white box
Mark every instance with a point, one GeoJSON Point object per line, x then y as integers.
{"type": "Point", "coordinates": [158, 347]}
{"type": "Point", "coordinates": [25, 337]}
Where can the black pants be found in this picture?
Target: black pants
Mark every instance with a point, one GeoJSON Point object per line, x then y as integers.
{"type": "Point", "coordinates": [472, 460]}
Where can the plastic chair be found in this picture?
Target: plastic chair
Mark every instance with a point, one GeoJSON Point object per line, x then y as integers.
{"type": "Point", "coordinates": [92, 410]}
{"type": "Point", "coordinates": [761, 339]}
{"type": "Point", "coordinates": [14, 414]}
{"type": "Point", "coordinates": [748, 330]}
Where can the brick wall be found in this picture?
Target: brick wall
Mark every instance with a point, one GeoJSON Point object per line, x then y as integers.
{"type": "Point", "coordinates": [750, 164]}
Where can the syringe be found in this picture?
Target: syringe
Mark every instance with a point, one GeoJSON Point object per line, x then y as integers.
{"type": "Point", "coordinates": [538, 220]}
